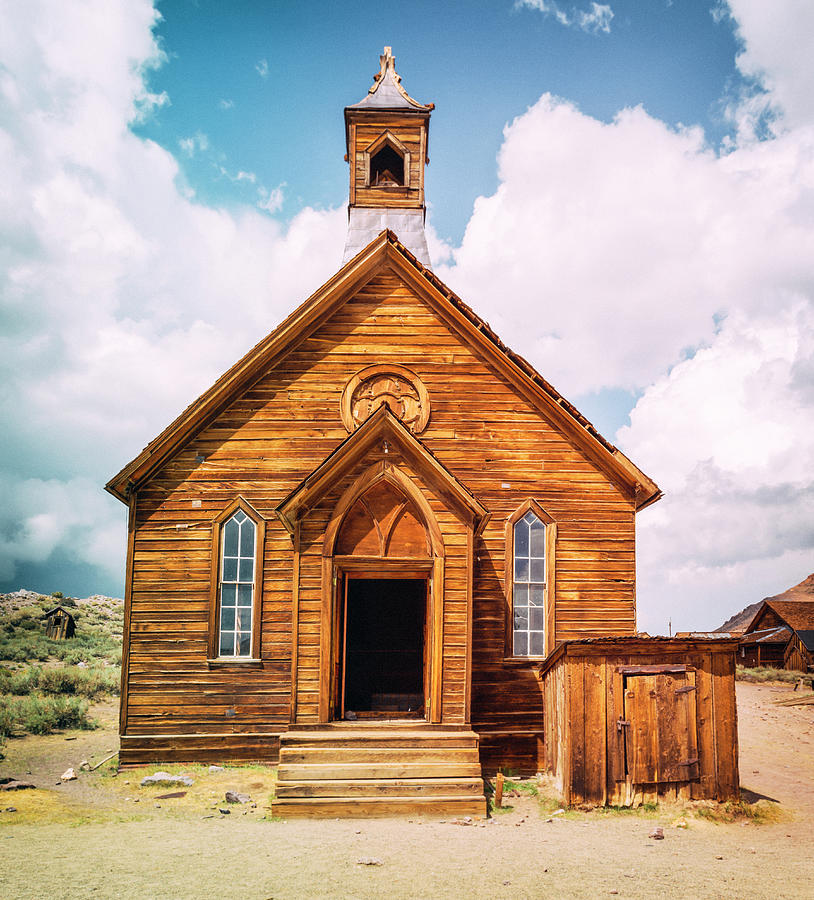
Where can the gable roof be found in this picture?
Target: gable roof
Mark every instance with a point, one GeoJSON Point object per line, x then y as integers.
{"type": "Point", "coordinates": [381, 425]}
{"type": "Point", "coordinates": [797, 614]}
{"type": "Point", "coordinates": [386, 251]}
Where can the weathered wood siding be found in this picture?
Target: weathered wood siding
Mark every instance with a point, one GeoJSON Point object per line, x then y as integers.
{"type": "Point", "coordinates": [797, 657]}
{"type": "Point", "coordinates": [490, 438]}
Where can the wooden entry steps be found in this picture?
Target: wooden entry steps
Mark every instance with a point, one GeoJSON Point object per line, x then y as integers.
{"type": "Point", "coordinates": [366, 770]}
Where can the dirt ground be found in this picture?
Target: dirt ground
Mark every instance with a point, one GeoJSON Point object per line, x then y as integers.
{"type": "Point", "coordinates": [90, 838]}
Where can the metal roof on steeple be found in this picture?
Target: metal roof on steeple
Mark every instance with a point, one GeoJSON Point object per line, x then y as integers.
{"type": "Point", "coordinates": [387, 92]}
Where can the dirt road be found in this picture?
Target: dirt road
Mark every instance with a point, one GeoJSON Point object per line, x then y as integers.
{"type": "Point", "coordinates": [172, 851]}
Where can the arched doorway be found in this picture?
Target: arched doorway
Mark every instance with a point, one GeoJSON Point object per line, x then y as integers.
{"type": "Point", "coordinates": [386, 561]}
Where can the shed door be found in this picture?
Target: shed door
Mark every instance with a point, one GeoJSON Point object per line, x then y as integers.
{"type": "Point", "coordinates": [661, 742]}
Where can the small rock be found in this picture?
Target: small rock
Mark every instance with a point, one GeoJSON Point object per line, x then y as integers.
{"type": "Point", "coordinates": [558, 812]}
{"type": "Point", "coordinates": [68, 775]}
{"type": "Point", "coordinates": [234, 797]}
{"type": "Point", "coordinates": [657, 834]}
{"type": "Point", "coordinates": [158, 806]}
{"type": "Point", "coordinates": [225, 812]}
{"type": "Point", "coordinates": [164, 778]}
{"type": "Point", "coordinates": [214, 769]}
{"type": "Point", "coordinates": [358, 832]}
{"type": "Point", "coordinates": [81, 664]}
{"type": "Point", "coordinates": [171, 796]}
{"type": "Point", "coordinates": [369, 861]}
{"type": "Point", "coordinates": [84, 765]}
{"type": "Point", "coordinates": [11, 809]}
{"type": "Point", "coordinates": [613, 892]}
{"type": "Point", "coordinates": [719, 857]}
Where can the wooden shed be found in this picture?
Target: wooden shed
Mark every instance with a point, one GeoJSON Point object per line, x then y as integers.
{"type": "Point", "coordinates": [629, 720]}
{"type": "Point", "coordinates": [59, 624]}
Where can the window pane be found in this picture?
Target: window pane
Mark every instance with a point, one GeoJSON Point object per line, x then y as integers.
{"type": "Point", "coordinates": [521, 570]}
{"type": "Point", "coordinates": [538, 539]}
{"type": "Point", "coordinates": [521, 539]}
{"type": "Point", "coordinates": [227, 643]}
{"type": "Point", "coordinates": [538, 571]}
{"type": "Point", "coordinates": [230, 533]}
{"type": "Point", "coordinates": [227, 618]}
{"type": "Point", "coordinates": [521, 619]}
{"type": "Point", "coordinates": [246, 570]}
{"type": "Point", "coordinates": [521, 595]}
{"type": "Point", "coordinates": [536, 619]}
{"type": "Point", "coordinates": [530, 517]}
{"type": "Point", "coordinates": [227, 595]}
{"type": "Point", "coordinates": [521, 643]}
{"type": "Point", "coordinates": [536, 595]}
{"type": "Point", "coordinates": [245, 640]}
{"type": "Point", "coordinates": [244, 595]}
{"type": "Point", "coordinates": [239, 516]}
{"type": "Point", "coordinates": [229, 569]}
{"type": "Point", "coordinates": [247, 538]}
{"type": "Point", "coordinates": [537, 644]}
{"type": "Point", "coordinates": [243, 618]}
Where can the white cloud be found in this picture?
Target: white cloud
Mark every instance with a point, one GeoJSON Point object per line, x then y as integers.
{"type": "Point", "coordinates": [121, 299]}
{"type": "Point", "coordinates": [730, 435]}
{"type": "Point", "coordinates": [226, 104]}
{"type": "Point", "coordinates": [272, 201]}
{"type": "Point", "coordinates": [198, 143]}
{"type": "Point", "coordinates": [262, 68]}
{"type": "Point", "coordinates": [595, 19]}
{"type": "Point", "coordinates": [777, 53]}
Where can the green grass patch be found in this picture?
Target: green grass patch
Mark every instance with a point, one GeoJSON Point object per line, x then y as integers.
{"type": "Point", "coordinates": [77, 681]}
{"type": "Point", "coordinates": [763, 812]}
{"type": "Point", "coordinates": [41, 714]}
{"type": "Point", "coordinates": [766, 673]}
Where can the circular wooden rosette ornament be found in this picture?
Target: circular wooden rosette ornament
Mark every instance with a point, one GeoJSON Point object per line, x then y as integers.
{"type": "Point", "coordinates": [398, 387]}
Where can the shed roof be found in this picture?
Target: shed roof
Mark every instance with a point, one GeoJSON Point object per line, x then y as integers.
{"type": "Point", "coordinates": [386, 91]}
{"type": "Point", "coordinates": [777, 635]}
{"type": "Point", "coordinates": [385, 251]}
{"type": "Point", "coordinates": [807, 639]}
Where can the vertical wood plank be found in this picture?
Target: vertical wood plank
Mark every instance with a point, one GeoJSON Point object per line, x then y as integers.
{"type": "Point", "coordinates": [295, 619]}
{"type": "Point", "coordinates": [726, 725]}
{"type": "Point", "coordinates": [576, 728]}
{"type": "Point", "coordinates": [128, 607]}
{"type": "Point", "coordinates": [705, 719]}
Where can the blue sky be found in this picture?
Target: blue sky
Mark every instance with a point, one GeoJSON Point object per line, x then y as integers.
{"type": "Point", "coordinates": [267, 82]}
{"type": "Point", "coordinates": [624, 190]}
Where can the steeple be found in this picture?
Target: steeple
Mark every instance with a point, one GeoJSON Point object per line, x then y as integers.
{"type": "Point", "coordinates": [386, 136]}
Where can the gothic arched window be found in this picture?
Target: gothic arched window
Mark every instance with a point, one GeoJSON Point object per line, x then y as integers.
{"type": "Point", "coordinates": [529, 582]}
{"type": "Point", "coordinates": [238, 545]}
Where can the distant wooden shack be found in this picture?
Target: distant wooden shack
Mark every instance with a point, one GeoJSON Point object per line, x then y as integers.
{"type": "Point", "coordinates": [630, 720]}
{"type": "Point", "coordinates": [781, 635]}
{"type": "Point", "coordinates": [59, 624]}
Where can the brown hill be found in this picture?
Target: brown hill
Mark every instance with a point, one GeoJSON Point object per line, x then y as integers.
{"type": "Point", "coordinates": [740, 621]}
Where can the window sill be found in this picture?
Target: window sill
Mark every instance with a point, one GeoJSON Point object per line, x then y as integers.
{"type": "Point", "coordinates": [242, 662]}
{"type": "Point", "coordinates": [522, 660]}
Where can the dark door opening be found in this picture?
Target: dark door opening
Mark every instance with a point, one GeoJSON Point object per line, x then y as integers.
{"type": "Point", "coordinates": [384, 648]}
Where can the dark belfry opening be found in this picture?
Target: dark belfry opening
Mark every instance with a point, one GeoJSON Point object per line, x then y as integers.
{"type": "Point", "coordinates": [387, 168]}
{"type": "Point", "coordinates": [384, 642]}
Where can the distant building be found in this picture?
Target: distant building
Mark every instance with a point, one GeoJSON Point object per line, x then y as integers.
{"type": "Point", "coordinates": [59, 624]}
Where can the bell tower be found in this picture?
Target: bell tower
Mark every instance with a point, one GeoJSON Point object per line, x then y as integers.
{"type": "Point", "coordinates": [386, 136]}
